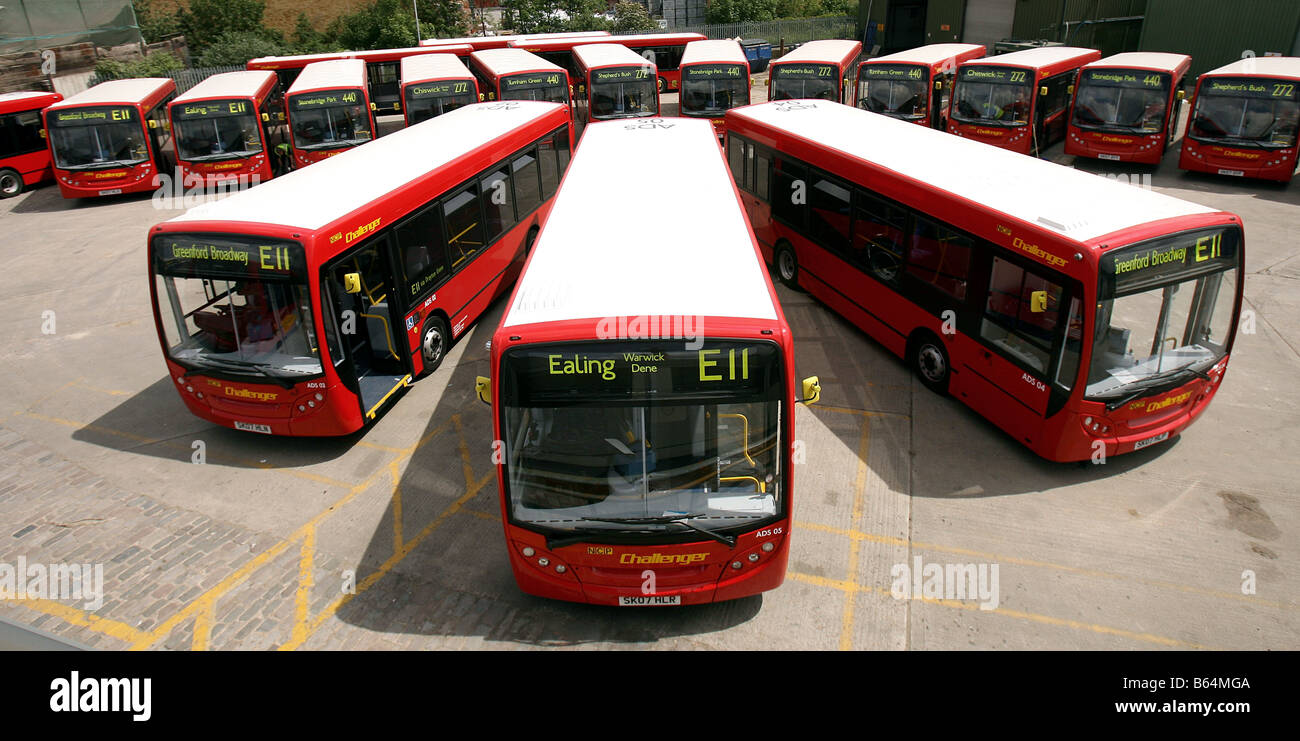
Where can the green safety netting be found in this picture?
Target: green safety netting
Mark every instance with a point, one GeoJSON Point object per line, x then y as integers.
{"type": "Point", "coordinates": [29, 25]}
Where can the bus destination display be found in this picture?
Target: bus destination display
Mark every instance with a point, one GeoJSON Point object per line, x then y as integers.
{"type": "Point", "coordinates": [805, 71]}
{"type": "Point", "coordinates": [439, 89]}
{"type": "Point", "coordinates": [620, 74]}
{"type": "Point", "coordinates": [712, 72]}
{"type": "Point", "coordinates": [93, 116]}
{"type": "Point", "coordinates": [202, 256]}
{"type": "Point", "coordinates": [892, 72]}
{"type": "Point", "coordinates": [326, 99]}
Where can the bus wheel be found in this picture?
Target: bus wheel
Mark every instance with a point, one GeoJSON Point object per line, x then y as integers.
{"type": "Point", "coordinates": [11, 183]}
{"type": "Point", "coordinates": [787, 265]}
{"type": "Point", "coordinates": [930, 361]}
{"type": "Point", "coordinates": [435, 338]}
{"type": "Point", "coordinates": [529, 240]}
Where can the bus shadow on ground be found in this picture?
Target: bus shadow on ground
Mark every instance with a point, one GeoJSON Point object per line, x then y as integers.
{"type": "Point", "coordinates": [450, 575]}
{"type": "Point", "coordinates": [47, 199]}
{"type": "Point", "coordinates": [154, 422]}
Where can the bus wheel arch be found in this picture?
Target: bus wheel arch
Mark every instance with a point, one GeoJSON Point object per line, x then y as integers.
{"type": "Point", "coordinates": [663, 84]}
{"type": "Point", "coordinates": [929, 359]}
{"type": "Point", "coordinates": [11, 183]}
{"type": "Point", "coordinates": [435, 341]}
{"type": "Point", "coordinates": [531, 238]}
{"type": "Point", "coordinates": [786, 263]}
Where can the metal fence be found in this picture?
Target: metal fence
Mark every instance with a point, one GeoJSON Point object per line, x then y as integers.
{"type": "Point", "coordinates": [791, 30]}
{"type": "Point", "coordinates": [185, 78]}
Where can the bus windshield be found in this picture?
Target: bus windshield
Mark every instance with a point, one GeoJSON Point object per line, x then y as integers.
{"type": "Point", "coordinates": [817, 81]}
{"type": "Point", "coordinates": [427, 100]}
{"type": "Point", "coordinates": [544, 86]}
{"type": "Point", "coordinates": [712, 89]}
{"type": "Point", "coordinates": [993, 95]}
{"type": "Point", "coordinates": [92, 138]}
{"type": "Point", "coordinates": [898, 90]}
{"type": "Point", "coordinates": [622, 92]}
{"type": "Point", "coordinates": [1250, 111]}
{"type": "Point", "coordinates": [1166, 307]}
{"type": "Point", "coordinates": [236, 305]}
{"type": "Point", "coordinates": [216, 130]}
{"type": "Point", "coordinates": [330, 119]}
{"type": "Point", "coordinates": [1122, 101]}
{"type": "Point", "coordinates": [623, 430]}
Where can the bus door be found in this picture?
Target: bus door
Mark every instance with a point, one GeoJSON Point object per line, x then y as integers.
{"type": "Point", "coordinates": [365, 303]}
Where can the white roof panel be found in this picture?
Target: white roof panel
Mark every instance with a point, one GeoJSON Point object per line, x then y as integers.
{"type": "Point", "coordinates": [510, 61]}
{"type": "Point", "coordinates": [1141, 60]}
{"type": "Point", "coordinates": [227, 85]}
{"type": "Point", "coordinates": [333, 188]}
{"type": "Point", "coordinates": [1264, 66]}
{"type": "Point", "coordinates": [116, 91]}
{"type": "Point", "coordinates": [333, 73]}
{"type": "Point", "coordinates": [821, 51]}
{"type": "Point", "coordinates": [432, 67]}
{"type": "Point", "coordinates": [725, 51]}
{"type": "Point", "coordinates": [1042, 55]}
{"type": "Point", "coordinates": [931, 54]}
{"type": "Point", "coordinates": [6, 97]}
{"type": "Point", "coordinates": [603, 55]}
{"type": "Point", "coordinates": [1073, 203]}
{"type": "Point", "coordinates": [607, 250]}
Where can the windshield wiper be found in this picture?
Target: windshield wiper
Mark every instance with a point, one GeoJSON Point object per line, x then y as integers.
{"type": "Point", "coordinates": [284, 383]}
{"type": "Point", "coordinates": [1141, 388]}
{"type": "Point", "coordinates": [587, 532]}
{"type": "Point", "coordinates": [683, 519]}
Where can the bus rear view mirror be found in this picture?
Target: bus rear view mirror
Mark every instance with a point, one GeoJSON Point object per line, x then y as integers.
{"type": "Point", "coordinates": [266, 118]}
{"type": "Point", "coordinates": [1070, 89]}
{"type": "Point", "coordinates": [1038, 302]}
{"type": "Point", "coordinates": [938, 84]}
{"type": "Point", "coordinates": [153, 124]}
{"type": "Point", "coordinates": [374, 107]}
{"type": "Point", "coordinates": [1182, 94]}
{"type": "Point", "coordinates": [481, 98]}
{"type": "Point", "coordinates": [812, 390]}
{"type": "Point", "coordinates": [483, 388]}
{"type": "Point", "coordinates": [1042, 90]}
{"type": "Point", "coordinates": [352, 282]}
{"type": "Point", "coordinates": [45, 135]}
{"type": "Point", "coordinates": [397, 106]}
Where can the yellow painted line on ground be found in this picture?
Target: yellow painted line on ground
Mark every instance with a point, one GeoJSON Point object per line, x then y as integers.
{"type": "Point", "coordinates": [852, 588]}
{"type": "Point", "coordinates": [302, 600]}
{"type": "Point", "coordinates": [202, 629]}
{"type": "Point", "coordinates": [859, 490]}
{"type": "Point", "coordinates": [397, 507]}
{"type": "Point", "coordinates": [74, 616]}
{"type": "Point", "coordinates": [481, 515]}
{"type": "Point", "coordinates": [861, 412]}
{"type": "Point", "coordinates": [856, 535]}
{"type": "Point", "coordinates": [81, 382]}
{"type": "Point", "coordinates": [384, 448]}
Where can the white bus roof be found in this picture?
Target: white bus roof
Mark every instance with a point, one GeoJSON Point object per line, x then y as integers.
{"type": "Point", "coordinates": [5, 97]}
{"type": "Point", "coordinates": [605, 55]}
{"type": "Point", "coordinates": [931, 54]}
{"type": "Point", "coordinates": [228, 85]}
{"type": "Point", "coordinates": [116, 91]}
{"type": "Point", "coordinates": [1037, 57]}
{"type": "Point", "coordinates": [432, 67]}
{"type": "Point", "coordinates": [606, 251]}
{"type": "Point", "coordinates": [721, 51]}
{"type": "Point", "coordinates": [1261, 66]}
{"type": "Point", "coordinates": [333, 73]}
{"type": "Point", "coordinates": [509, 61]}
{"type": "Point", "coordinates": [1155, 60]}
{"type": "Point", "coordinates": [822, 51]}
{"type": "Point", "coordinates": [315, 196]}
{"type": "Point", "coordinates": [1075, 204]}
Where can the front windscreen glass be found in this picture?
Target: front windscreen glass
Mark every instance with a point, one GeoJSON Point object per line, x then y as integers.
{"type": "Point", "coordinates": [898, 90]}
{"type": "Point", "coordinates": [425, 100]}
{"type": "Point", "coordinates": [330, 119]}
{"type": "Point", "coordinates": [623, 92]}
{"type": "Point", "coordinates": [1166, 308]}
{"type": "Point", "coordinates": [216, 130]}
{"type": "Point", "coordinates": [94, 138]}
{"type": "Point", "coordinates": [1122, 101]}
{"type": "Point", "coordinates": [993, 95]}
{"type": "Point", "coordinates": [817, 81]}
{"type": "Point", "coordinates": [1252, 112]}
{"type": "Point", "coordinates": [644, 429]}
{"type": "Point", "coordinates": [711, 89]}
{"type": "Point", "coordinates": [551, 87]}
{"type": "Point", "coordinates": [237, 305]}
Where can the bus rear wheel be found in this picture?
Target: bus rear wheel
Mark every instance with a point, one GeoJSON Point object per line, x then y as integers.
{"type": "Point", "coordinates": [930, 361]}
{"type": "Point", "coordinates": [11, 183]}
{"type": "Point", "coordinates": [787, 265]}
{"type": "Point", "coordinates": [435, 339]}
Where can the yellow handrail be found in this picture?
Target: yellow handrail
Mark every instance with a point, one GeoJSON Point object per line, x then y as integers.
{"type": "Point", "coordinates": [745, 432]}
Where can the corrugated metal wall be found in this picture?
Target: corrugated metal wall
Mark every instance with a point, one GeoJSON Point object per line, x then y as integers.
{"type": "Point", "coordinates": [1039, 19]}
{"type": "Point", "coordinates": [988, 21]}
{"type": "Point", "coordinates": [1216, 32]}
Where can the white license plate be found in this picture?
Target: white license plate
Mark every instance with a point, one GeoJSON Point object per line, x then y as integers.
{"type": "Point", "coordinates": [111, 192]}
{"type": "Point", "coordinates": [654, 600]}
{"type": "Point", "coordinates": [1238, 173]}
{"type": "Point", "coordinates": [1108, 157]}
{"type": "Point", "coordinates": [1140, 444]}
{"type": "Point", "coordinates": [253, 427]}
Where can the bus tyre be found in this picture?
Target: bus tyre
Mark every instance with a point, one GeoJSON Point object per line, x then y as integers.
{"type": "Point", "coordinates": [529, 240]}
{"type": "Point", "coordinates": [435, 339]}
{"type": "Point", "coordinates": [787, 265]}
{"type": "Point", "coordinates": [11, 183]}
{"type": "Point", "coordinates": [930, 361]}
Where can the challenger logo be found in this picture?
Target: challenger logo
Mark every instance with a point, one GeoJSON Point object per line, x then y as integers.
{"type": "Point", "coordinates": [1155, 406]}
{"type": "Point", "coordinates": [666, 559]}
{"type": "Point", "coordinates": [250, 394]}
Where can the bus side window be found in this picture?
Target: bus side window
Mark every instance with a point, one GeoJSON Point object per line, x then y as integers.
{"type": "Point", "coordinates": [498, 203]}
{"type": "Point", "coordinates": [548, 156]}
{"type": "Point", "coordinates": [1011, 324]}
{"type": "Point", "coordinates": [736, 158]}
{"type": "Point", "coordinates": [1067, 363]}
{"type": "Point", "coordinates": [464, 226]}
{"type": "Point", "coordinates": [424, 256]}
{"type": "Point", "coordinates": [940, 257]}
{"type": "Point", "coordinates": [762, 163]}
{"type": "Point", "coordinates": [828, 213]}
{"type": "Point", "coordinates": [562, 149]}
{"type": "Point", "coordinates": [878, 238]}
{"type": "Point", "coordinates": [790, 193]}
{"type": "Point", "coordinates": [527, 186]}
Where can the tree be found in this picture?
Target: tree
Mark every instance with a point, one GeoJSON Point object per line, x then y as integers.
{"type": "Point", "coordinates": [157, 64]}
{"type": "Point", "coordinates": [155, 24]}
{"type": "Point", "coordinates": [237, 47]}
{"type": "Point", "coordinates": [740, 11]}
{"type": "Point", "coordinates": [549, 16]}
{"type": "Point", "coordinates": [306, 39]}
{"type": "Point", "coordinates": [207, 20]}
{"type": "Point", "coordinates": [387, 24]}
{"type": "Point", "coordinates": [630, 17]}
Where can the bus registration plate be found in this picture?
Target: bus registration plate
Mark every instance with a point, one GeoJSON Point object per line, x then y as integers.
{"type": "Point", "coordinates": [653, 600]}
{"type": "Point", "coordinates": [1238, 173]}
{"type": "Point", "coordinates": [111, 192]}
{"type": "Point", "coordinates": [253, 427]}
{"type": "Point", "coordinates": [1105, 156]}
{"type": "Point", "coordinates": [1140, 444]}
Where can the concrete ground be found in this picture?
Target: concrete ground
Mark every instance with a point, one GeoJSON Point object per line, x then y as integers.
{"type": "Point", "coordinates": [258, 546]}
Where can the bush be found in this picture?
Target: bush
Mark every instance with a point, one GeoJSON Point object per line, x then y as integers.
{"type": "Point", "coordinates": [158, 64]}
{"type": "Point", "coordinates": [630, 17]}
{"type": "Point", "coordinates": [741, 11]}
{"type": "Point", "coordinates": [237, 47]}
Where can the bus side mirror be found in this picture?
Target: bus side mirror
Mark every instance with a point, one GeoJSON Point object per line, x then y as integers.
{"type": "Point", "coordinates": [153, 123]}
{"type": "Point", "coordinates": [812, 390]}
{"type": "Point", "coordinates": [374, 107]}
{"type": "Point", "coordinates": [1042, 90]}
{"type": "Point", "coordinates": [938, 84]}
{"type": "Point", "coordinates": [266, 118]}
{"type": "Point", "coordinates": [1070, 90]}
{"type": "Point", "coordinates": [481, 98]}
{"type": "Point", "coordinates": [1038, 302]}
{"type": "Point", "coordinates": [352, 282]}
{"type": "Point", "coordinates": [582, 90]}
{"type": "Point", "coordinates": [492, 96]}
{"type": "Point", "coordinates": [483, 388]}
{"type": "Point", "coordinates": [46, 136]}
{"type": "Point", "coordinates": [397, 106]}
{"type": "Point", "coordinates": [1182, 94]}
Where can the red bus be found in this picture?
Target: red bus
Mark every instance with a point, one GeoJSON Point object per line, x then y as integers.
{"type": "Point", "coordinates": [24, 158]}
{"type": "Point", "coordinates": [434, 84]}
{"type": "Point", "coordinates": [714, 78]}
{"type": "Point", "coordinates": [1018, 101]}
{"type": "Point", "coordinates": [1076, 313]}
{"type": "Point", "coordinates": [227, 127]}
{"type": "Point", "coordinates": [646, 433]}
{"type": "Point", "coordinates": [329, 110]}
{"type": "Point", "coordinates": [113, 138]}
{"type": "Point", "coordinates": [304, 306]}
{"type": "Point", "coordinates": [818, 69]}
{"type": "Point", "coordinates": [480, 43]}
{"type": "Point", "coordinates": [1244, 120]}
{"type": "Point", "coordinates": [1126, 107]}
{"type": "Point", "coordinates": [615, 83]}
{"type": "Point", "coordinates": [514, 74]}
{"type": "Point", "coordinates": [914, 85]}
{"type": "Point", "coordinates": [381, 69]}
{"type": "Point", "coordinates": [664, 50]}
